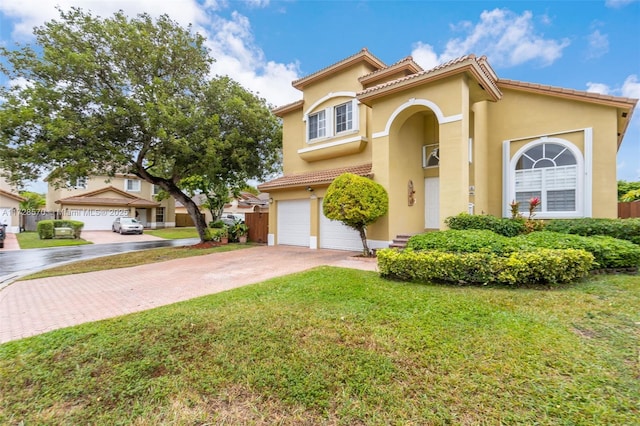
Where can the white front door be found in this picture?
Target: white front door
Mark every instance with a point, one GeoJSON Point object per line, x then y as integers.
{"type": "Point", "coordinates": [432, 203]}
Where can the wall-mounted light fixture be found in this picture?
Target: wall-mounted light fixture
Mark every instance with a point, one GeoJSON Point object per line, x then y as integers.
{"type": "Point", "coordinates": [310, 189]}
{"type": "Point", "coordinates": [270, 200]}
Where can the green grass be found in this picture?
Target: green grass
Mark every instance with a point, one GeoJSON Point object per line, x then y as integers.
{"type": "Point", "coordinates": [336, 346]}
{"type": "Point", "coordinates": [135, 258]}
{"type": "Point", "coordinates": [30, 240]}
{"type": "Point", "coordinates": [173, 233]}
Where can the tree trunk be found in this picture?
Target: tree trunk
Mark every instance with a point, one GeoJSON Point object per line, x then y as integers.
{"type": "Point", "coordinates": [365, 246]}
{"type": "Point", "coordinates": [178, 195]}
{"type": "Point", "coordinates": [194, 212]}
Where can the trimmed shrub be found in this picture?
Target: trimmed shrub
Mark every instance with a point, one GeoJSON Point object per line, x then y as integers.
{"type": "Point", "coordinates": [45, 227]}
{"type": "Point", "coordinates": [624, 229]}
{"type": "Point", "coordinates": [458, 241]}
{"type": "Point", "coordinates": [608, 252]}
{"type": "Point", "coordinates": [502, 226]}
{"type": "Point", "coordinates": [518, 268]}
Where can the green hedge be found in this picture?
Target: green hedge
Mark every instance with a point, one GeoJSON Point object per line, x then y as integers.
{"type": "Point", "coordinates": [45, 227]}
{"type": "Point", "coordinates": [457, 241]}
{"type": "Point", "coordinates": [624, 229]}
{"type": "Point", "coordinates": [608, 252]}
{"type": "Point", "coordinates": [518, 268]}
{"type": "Point", "coordinates": [502, 226]}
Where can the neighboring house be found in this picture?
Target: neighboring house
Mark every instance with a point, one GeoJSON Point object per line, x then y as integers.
{"type": "Point", "coordinates": [244, 203]}
{"type": "Point", "coordinates": [9, 207]}
{"type": "Point", "coordinates": [452, 139]}
{"type": "Point", "coordinates": [98, 201]}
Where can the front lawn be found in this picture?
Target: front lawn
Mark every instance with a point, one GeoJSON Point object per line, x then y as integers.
{"type": "Point", "coordinates": [29, 240]}
{"type": "Point", "coordinates": [173, 233]}
{"type": "Point", "coordinates": [336, 346]}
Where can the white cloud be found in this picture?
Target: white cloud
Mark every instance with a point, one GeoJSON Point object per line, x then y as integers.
{"type": "Point", "coordinates": [424, 55]}
{"type": "Point", "coordinates": [598, 44]}
{"type": "Point", "coordinates": [600, 88]}
{"type": "Point", "coordinates": [508, 39]}
{"type": "Point", "coordinates": [631, 87]}
{"type": "Point", "coordinates": [230, 40]}
{"type": "Point", "coordinates": [618, 3]}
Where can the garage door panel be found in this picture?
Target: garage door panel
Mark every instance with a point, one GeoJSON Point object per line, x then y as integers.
{"type": "Point", "coordinates": [95, 219]}
{"type": "Point", "coordinates": [294, 222]}
{"type": "Point", "coordinates": [336, 235]}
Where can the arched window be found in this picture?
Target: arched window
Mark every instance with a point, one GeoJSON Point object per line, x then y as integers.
{"type": "Point", "coordinates": [548, 171]}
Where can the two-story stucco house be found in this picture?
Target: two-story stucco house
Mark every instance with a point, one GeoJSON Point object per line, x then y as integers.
{"type": "Point", "coordinates": [9, 207]}
{"type": "Point", "coordinates": [452, 139]}
{"type": "Point", "coordinates": [98, 201]}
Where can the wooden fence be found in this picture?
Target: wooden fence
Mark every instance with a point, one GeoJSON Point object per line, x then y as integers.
{"type": "Point", "coordinates": [184, 219]}
{"type": "Point", "coordinates": [631, 209]}
{"type": "Point", "coordinates": [258, 224]}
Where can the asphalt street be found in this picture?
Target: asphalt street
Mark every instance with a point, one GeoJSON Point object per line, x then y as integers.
{"type": "Point", "coordinates": [20, 262]}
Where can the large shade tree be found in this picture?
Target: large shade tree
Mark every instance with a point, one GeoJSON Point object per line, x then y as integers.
{"type": "Point", "coordinates": [101, 96]}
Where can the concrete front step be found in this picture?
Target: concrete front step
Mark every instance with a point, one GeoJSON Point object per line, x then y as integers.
{"type": "Point", "coordinates": [400, 241]}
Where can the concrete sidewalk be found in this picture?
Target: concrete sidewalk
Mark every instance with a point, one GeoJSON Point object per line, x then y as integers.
{"type": "Point", "coordinates": [32, 307]}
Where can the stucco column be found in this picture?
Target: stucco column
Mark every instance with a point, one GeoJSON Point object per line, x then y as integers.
{"type": "Point", "coordinates": [480, 157]}
{"type": "Point", "coordinates": [454, 162]}
{"type": "Point", "coordinates": [382, 175]}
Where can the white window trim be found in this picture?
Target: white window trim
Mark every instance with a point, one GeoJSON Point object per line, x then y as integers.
{"type": "Point", "coordinates": [584, 187]}
{"type": "Point", "coordinates": [329, 113]}
{"type": "Point", "coordinates": [426, 153]}
{"type": "Point", "coordinates": [126, 185]}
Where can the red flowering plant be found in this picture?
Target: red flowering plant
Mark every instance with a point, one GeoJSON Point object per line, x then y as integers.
{"type": "Point", "coordinates": [533, 204]}
{"type": "Point", "coordinates": [533, 225]}
{"type": "Point", "coordinates": [515, 209]}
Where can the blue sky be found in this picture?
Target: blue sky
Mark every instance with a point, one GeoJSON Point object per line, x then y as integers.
{"type": "Point", "coordinates": [265, 44]}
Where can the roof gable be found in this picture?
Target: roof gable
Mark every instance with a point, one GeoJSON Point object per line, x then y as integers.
{"type": "Point", "coordinates": [478, 69]}
{"type": "Point", "coordinates": [11, 195]}
{"type": "Point", "coordinates": [363, 56]}
{"type": "Point", "coordinates": [108, 196]}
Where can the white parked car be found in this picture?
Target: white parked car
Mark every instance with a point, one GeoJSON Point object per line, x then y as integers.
{"type": "Point", "coordinates": [127, 225]}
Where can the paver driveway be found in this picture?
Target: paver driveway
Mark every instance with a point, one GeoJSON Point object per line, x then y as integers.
{"type": "Point", "coordinates": [32, 307]}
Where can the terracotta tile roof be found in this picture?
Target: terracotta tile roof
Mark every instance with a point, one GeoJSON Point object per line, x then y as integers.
{"type": "Point", "coordinates": [320, 177]}
{"type": "Point", "coordinates": [279, 111]}
{"type": "Point", "coordinates": [414, 76]}
{"type": "Point", "coordinates": [407, 64]}
{"type": "Point", "coordinates": [362, 55]}
{"type": "Point", "coordinates": [90, 199]}
{"type": "Point", "coordinates": [12, 195]}
{"type": "Point", "coordinates": [569, 93]}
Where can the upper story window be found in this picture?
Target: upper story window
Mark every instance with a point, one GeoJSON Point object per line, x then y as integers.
{"type": "Point", "coordinates": [344, 117]}
{"type": "Point", "coordinates": [332, 121]}
{"type": "Point", "coordinates": [317, 125]}
{"type": "Point", "coordinates": [78, 183]}
{"type": "Point", "coordinates": [132, 185]}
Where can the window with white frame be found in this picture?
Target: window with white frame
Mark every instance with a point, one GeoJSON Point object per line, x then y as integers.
{"type": "Point", "coordinates": [159, 214]}
{"type": "Point", "coordinates": [78, 183]}
{"type": "Point", "coordinates": [332, 121]}
{"type": "Point", "coordinates": [317, 125]}
{"type": "Point", "coordinates": [548, 171]}
{"type": "Point", "coordinates": [344, 117]}
{"type": "Point", "coordinates": [430, 155]}
{"type": "Point", "coordinates": [132, 185]}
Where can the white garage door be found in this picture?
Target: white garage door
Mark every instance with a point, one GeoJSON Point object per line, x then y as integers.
{"type": "Point", "coordinates": [294, 222]}
{"type": "Point", "coordinates": [5, 218]}
{"type": "Point", "coordinates": [95, 219]}
{"type": "Point", "coordinates": [335, 235]}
